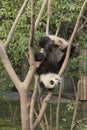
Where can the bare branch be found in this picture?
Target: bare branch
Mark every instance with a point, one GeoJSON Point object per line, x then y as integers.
{"type": "Point", "coordinates": [2, 50]}
{"type": "Point", "coordinates": [32, 23]}
{"type": "Point", "coordinates": [41, 123]}
{"type": "Point", "coordinates": [83, 25]}
{"type": "Point", "coordinates": [32, 62]}
{"type": "Point", "coordinates": [51, 123]}
{"type": "Point", "coordinates": [33, 101]}
{"type": "Point", "coordinates": [8, 66]}
{"type": "Point", "coordinates": [46, 122]}
{"type": "Point", "coordinates": [45, 102]}
{"type": "Point", "coordinates": [48, 17]}
{"type": "Point", "coordinates": [44, 116]}
{"type": "Point", "coordinates": [84, 17]}
{"type": "Point", "coordinates": [58, 106]}
{"type": "Point", "coordinates": [57, 31]}
{"type": "Point", "coordinates": [72, 37]}
{"type": "Point", "coordinates": [40, 14]}
{"type": "Point", "coordinates": [31, 50]}
{"type": "Point", "coordinates": [14, 24]}
{"type": "Point", "coordinates": [75, 110]}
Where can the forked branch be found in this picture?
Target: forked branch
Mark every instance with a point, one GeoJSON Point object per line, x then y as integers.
{"type": "Point", "coordinates": [33, 101]}
{"type": "Point", "coordinates": [72, 37]}
{"type": "Point", "coordinates": [31, 50]}
{"type": "Point", "coordinates": [44, 105]}
{"type": "Point", "coordinates": [32, 62]}
{"type": "Point", "coordinates": [48, 17]}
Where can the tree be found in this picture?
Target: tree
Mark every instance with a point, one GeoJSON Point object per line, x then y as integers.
{"type": "Point", "coordinates": [27, 106]}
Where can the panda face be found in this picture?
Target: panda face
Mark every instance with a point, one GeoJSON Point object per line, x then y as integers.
{"type": "Point", "coordinates": [49, 81]}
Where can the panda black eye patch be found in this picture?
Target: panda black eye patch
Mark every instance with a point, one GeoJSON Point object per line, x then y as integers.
{"type": "Point", "coordinates": [56, 46]}
{"type": "Point", "coordinates": [51, 82]}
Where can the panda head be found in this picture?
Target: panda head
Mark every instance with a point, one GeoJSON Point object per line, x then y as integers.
{"type": "Point", "coordinates": [60, 42]}
{"type": "Point", "coordinates": [49, 81]}
{"type": "Point", "coordinates": [46, 41]}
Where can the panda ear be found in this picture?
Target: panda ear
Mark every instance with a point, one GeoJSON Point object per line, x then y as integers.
{"type": "Point", "coordinates": [42, 85]}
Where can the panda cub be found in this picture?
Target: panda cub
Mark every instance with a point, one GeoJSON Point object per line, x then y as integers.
{"type": "Point", "coordinates": [52, 57]}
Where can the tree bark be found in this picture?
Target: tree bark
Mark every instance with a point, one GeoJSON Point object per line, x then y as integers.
{"type": "Point", "coordinates": [24, 104]}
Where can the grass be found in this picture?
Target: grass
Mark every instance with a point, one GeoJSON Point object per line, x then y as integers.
{"type": "Point", "coordinates": [65, 118]}
{"type": "Point", "coordinates": [6, 116]}
{"type": "Point", "coordinates": [6, 125]}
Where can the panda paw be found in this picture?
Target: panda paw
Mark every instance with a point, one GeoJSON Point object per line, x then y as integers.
{"type": "Point", "coordinates": [58, 79]}
{"type": "Point", "coordinates": [39, 56]}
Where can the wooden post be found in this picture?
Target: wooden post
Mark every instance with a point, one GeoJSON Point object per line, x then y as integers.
{"type": "Point", "coordinates": [82, 86]}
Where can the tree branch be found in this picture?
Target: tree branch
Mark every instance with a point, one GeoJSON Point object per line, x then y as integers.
{"type": "Point", "coordinates": [71, 39]}
{"type": "Point", "coordinates": [75, 109]}
{"type": "Point", "coordinates": [41, 123]}
{"type": "Point", "coordinates": [32, 62]}
{"type": "Point", "coordinates": [58, 106]}
{"type": "Point", "coordinates": [33, 102]}
{"type": "Point", "coordinates": [83, 25]}
{"type": "Point", "coordinates": [48, 17]}
{"type": "Point", "coordinates": [51, 115]}
{"type": "Point", "coordinates": [8, 67]}
{"type": "Point", "coordinates": [57, 31]}
{"type": "Point", "coordinates": [32, 23]}
{"type": "Point", "coordinates": [45, 102]}
{"type": "Point", "coordinates": [46, 121]}
{"type": "Point", "coordinates": [31, 50]}
{"type": "Point", "coordinates": [14, 24]}
{"type": "Point", "coordinates": [40, 14]}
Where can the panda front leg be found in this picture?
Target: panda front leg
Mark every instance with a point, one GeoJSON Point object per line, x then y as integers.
{"type": "Point", "coordinates": [39, 56]}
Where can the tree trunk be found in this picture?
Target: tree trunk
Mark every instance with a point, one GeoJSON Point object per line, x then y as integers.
{"type": "Point", "coordinates": [24, 103]}
{"type": "Point", "coordinates": [24, 68]}
{"type": "Point", "coordinates": [82, 88]}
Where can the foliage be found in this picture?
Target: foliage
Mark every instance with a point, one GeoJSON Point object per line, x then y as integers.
{"type": "Point", "coordinates": [5, 123]}
{"type": "Point", "coordinates": [83, 39]}
{"type": "Point", "coordinates": [75, 68]}
{"type": "Point", "coordinates": [5, 81]}
{"type": "Point", "coordinates": [63, 15]}
{"type": "Point", "coordinates": [8, 11]}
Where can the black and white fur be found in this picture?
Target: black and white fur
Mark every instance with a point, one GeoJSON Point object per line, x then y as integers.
{"type": "Point", "coordinates": [52, 54]}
